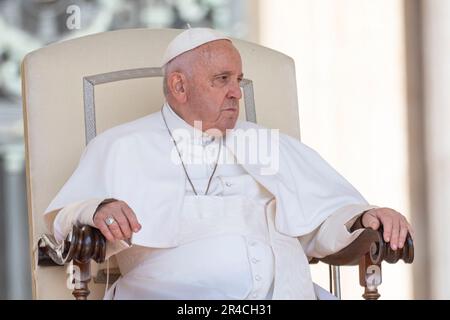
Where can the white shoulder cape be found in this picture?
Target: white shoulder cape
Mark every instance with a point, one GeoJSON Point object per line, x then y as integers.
{"type": "Point", "coordinates": [132, 162]}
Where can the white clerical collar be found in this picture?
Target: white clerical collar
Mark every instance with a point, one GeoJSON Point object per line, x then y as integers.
{"type": "Point", "coordinates": [183, 130]}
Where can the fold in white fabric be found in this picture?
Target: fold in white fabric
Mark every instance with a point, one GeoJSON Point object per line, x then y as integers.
{"type": "Point", "coordinates": [218, 237]}
{"type": "Point", "coordinates": [133, 162]}
{"type": "Point", "coordinates": [224, 248]}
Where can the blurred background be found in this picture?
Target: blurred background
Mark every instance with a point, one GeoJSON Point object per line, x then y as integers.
{"type": "Point", "coordinates": [373, 79]}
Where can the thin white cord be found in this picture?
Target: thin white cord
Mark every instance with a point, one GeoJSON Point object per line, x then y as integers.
{"type": "Point", "coordinates": [107, 276]}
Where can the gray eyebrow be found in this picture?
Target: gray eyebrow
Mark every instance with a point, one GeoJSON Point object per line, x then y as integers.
{"type": "Point", "coordinates": [227, 73]}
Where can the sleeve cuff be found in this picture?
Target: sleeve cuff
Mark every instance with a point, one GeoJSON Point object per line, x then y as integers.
{"type": "Point", "coordinates": [87, 211]}
{"type": "Point", "coordinates": [334, 234]}
{"type": "Point", "coordinates": [76, 213]}
{"type": "Point", "coordinates": [346, 217]}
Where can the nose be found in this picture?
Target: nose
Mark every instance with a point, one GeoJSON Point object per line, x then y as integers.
{"type": "Point", "coordinates": [235, 91]}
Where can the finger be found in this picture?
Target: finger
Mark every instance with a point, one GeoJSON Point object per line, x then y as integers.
{"type": "Point", "coordinates": [387, 226]}
{"type": "Point", "coordinates": [132, 219]}
{"type": "Point", "coordinates": [123, 223]}
{"type": "Point", "coordinates": [105, 231]}
{"type": "Point", "coordinates": [371, 221]}
{"type": "Point", "coordinates": [403, 234]}
{"type": "Point", "coordinates": [109, 210]}
{"type": "Point", "coordinates": [395, 233]}
{"type": "Point", "coordinates": [114, 228]}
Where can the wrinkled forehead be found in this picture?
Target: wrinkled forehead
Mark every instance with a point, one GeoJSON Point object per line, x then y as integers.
{"type": "Point", "coordinates": [210, 58]}
{"type": "Point", "coordinates": [218, 46]}
{"type": "Point", "coordinates": [218, 54]}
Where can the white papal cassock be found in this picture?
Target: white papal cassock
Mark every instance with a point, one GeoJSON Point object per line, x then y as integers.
{"type": "Point", "coordinates": [249, 238]}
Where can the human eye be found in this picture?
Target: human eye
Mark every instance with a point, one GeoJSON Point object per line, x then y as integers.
{"type": "Point", "coordinates": [221, 79]}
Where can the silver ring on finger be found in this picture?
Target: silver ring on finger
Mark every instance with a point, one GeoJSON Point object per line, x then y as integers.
{"type": "Point", "coordinates": [109, 220]}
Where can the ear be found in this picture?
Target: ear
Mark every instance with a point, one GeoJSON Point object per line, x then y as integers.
{"type": "Point", "coordinates": [177, 84]}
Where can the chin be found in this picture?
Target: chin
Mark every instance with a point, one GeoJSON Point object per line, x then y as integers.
{"type": "Point", "coordinates": [230, 124]}
{"type": "Point", "coordinates": [226, 124]}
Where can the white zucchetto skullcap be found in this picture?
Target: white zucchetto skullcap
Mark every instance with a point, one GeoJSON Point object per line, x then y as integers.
{"type": "Point", "coordinates": [190, 39]}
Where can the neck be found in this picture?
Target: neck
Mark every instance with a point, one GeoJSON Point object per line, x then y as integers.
{"type": "Point", "coordinates": [208, 130]}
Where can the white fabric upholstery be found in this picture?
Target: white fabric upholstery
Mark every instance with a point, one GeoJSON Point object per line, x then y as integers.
{"type": "Point", "coordinates": [54, 114]}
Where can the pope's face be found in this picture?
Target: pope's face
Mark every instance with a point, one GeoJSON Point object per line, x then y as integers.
{"type": "Point", "coordinates": [214, 91]}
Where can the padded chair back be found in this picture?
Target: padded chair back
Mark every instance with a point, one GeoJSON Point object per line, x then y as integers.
{"type": "Point", "coordinates": [78, 88]}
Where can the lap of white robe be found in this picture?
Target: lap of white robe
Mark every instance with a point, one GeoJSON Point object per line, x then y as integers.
{"type": "Point", "coordinates": [163, 290]}
{"type": "Point", "coordinates": [323, 294]}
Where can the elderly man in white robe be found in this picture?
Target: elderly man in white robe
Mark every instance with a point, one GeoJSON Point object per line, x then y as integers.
{"type": "Point", "coordinates": [185, 211]}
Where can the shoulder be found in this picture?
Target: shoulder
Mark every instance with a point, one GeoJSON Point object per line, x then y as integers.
{"type": "Point", "coordinates": [245, 126]}
{"type": "Point", "coordinates": [285, 141]}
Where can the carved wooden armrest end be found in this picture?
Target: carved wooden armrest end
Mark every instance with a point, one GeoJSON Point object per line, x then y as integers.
{"type": "Point", "coordinates": [83, 244]}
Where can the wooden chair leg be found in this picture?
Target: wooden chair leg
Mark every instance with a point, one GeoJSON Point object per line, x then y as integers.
{"type": "Point", "coordinates": [371, 294]}
{"type": "Point", "coordinates": [369, 277]}
{"type": "Point", "coordinates": [83, 245]}
{"type": "Point", "coordinates": [82, 277]}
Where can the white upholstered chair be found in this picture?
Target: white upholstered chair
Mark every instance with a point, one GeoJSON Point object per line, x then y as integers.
{"type": "Point", "coordinates": [76, 89]}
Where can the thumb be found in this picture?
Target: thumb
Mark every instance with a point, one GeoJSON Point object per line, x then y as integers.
{"type": "Point", "coordinates": [370, 221]}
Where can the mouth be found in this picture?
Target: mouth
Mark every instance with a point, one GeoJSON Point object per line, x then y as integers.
{"type": "Point", "coordinates": [230, 109]}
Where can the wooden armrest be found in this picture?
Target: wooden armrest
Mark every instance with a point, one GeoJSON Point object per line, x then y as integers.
{"type": "Point", "coordinates": [370, 242]}
{"type": "Point", "coordinates": [83, 244]}
{"type": "Point", "coordinates": [369, 250]}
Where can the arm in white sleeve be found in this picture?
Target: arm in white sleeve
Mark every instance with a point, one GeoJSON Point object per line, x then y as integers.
{"type": "Point", "coordinates": [82, 213]}
{"type": "Point", "coordinates": [334, 233]}
{"type": "Point", "coordinates": [76, 213]}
